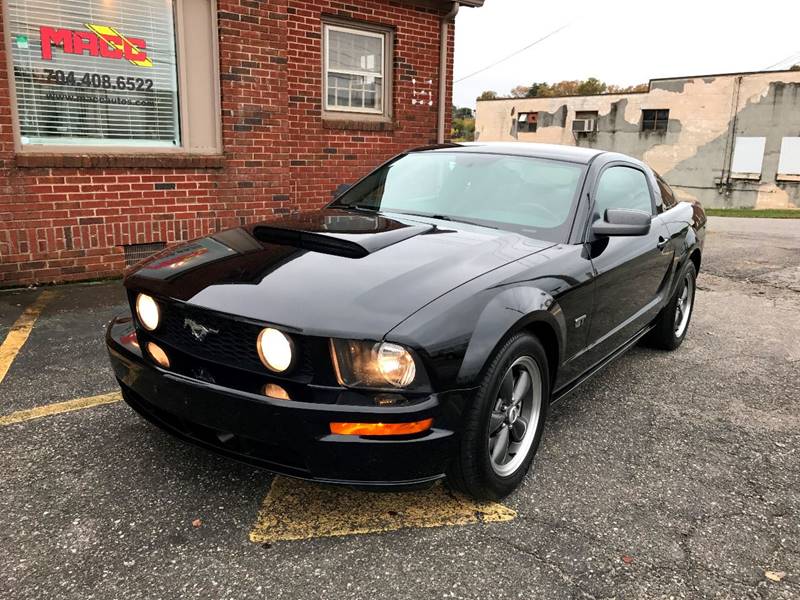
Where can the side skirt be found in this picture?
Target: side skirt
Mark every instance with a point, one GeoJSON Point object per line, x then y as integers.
{"type": "Point", "coordinates": [576, 383]}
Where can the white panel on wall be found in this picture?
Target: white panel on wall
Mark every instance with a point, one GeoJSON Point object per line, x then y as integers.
{"type": "Point", "coordinates": [748, 154]}
{"type": "Point", "coordinates": [790, 156]}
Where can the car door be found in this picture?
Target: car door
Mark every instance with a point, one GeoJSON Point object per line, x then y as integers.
{"type": "Point", "coordinates": [631, 272]}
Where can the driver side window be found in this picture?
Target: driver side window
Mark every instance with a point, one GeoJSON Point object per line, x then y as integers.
{"type": "Point", "coordinates": [622, 187]}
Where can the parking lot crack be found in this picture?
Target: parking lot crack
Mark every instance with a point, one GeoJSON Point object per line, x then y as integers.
{"type": "Point", "coordinates": [554, 567]}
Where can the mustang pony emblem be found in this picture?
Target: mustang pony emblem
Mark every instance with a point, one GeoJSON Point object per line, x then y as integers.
{"type": "Point", "coordinates": [198, 331]}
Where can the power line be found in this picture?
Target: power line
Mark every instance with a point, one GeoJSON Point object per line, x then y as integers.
{"type": "Point", "coordinates": [792, 56]}
{"type": "Point", "coordinates": [513, 54]}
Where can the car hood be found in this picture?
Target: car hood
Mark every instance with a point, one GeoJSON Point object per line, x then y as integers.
{"type": "Point", "coordinates": [330, 272]}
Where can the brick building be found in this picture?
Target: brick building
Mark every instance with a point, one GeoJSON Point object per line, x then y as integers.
{"type": "Point", "coordinates": [126, 126]}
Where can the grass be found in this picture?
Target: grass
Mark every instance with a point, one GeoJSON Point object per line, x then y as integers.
{"type": "Point", "coordinates": [772, 213]}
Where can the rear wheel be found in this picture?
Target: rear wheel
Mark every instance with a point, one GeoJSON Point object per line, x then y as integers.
{"type": "Point", "coordinates": [504, 424]}
{"type": "Point", "coordinates": [673, 322]}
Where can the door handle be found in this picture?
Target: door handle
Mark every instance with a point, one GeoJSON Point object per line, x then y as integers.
{"type": "Point", "coordinates": [662, 242]}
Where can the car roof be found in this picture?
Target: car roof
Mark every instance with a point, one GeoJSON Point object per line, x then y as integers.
{"type": "Point", "coordinates": [553, 151]}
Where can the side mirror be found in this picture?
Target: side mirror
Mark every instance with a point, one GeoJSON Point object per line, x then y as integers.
{"type": "Point", "coordinates": [622, 221]}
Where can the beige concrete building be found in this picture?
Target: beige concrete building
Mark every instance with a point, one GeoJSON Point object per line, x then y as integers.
{"type": "Point", "coordinates": [728, 140]}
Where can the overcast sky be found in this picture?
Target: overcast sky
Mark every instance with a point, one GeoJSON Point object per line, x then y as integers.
{"type": "Point", "coordinates": [621, 41]}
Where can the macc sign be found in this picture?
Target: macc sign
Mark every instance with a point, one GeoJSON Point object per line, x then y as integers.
{"type": "Point", "coordinates": [100, 40]}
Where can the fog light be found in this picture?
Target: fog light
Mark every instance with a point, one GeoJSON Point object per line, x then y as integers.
{"type": "Point", "coordinates": [275, 349]}
{"type": "Point", "coordinates": [157, 354]}
{"type": "Point", "coordinates": [147, 311]}
{"type": "Point", "coordinates": [273, 390]}
{"type": "Point", "coordinates": [381, 428]}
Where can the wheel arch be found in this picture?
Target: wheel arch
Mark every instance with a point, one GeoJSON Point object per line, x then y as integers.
{"type": "Point", "coordinates": [547, 336]}
{"type": "Point", "coordinates": [517, 310]}
{"type": "Point", "coordinates": [696, 258]}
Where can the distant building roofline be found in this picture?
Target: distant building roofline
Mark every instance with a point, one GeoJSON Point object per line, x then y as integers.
{"type": "Point", "coordinates": [649, 85]}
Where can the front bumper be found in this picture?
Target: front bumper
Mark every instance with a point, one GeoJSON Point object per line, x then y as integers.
{"type": "Point", "coordinates": [284, 436]}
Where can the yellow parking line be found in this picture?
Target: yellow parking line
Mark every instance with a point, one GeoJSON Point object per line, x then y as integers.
{"type": "Point", "coordinates": [58, 408]}
{"type": "Point", "coordinates": [297, 510]}
{"type": "Point", "coordinates": [20, 330]}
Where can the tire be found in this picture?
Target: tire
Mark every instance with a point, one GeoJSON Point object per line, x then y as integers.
{"type": "Point", "coordinates": [669, 332]}
{"type": "Point", "coordinates": [474, 471]}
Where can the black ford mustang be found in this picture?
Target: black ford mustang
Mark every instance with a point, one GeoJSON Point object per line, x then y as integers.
{"type": "Point", "coordinates": [420, 325]}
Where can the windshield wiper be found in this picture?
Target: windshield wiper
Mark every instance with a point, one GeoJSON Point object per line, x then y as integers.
{"type": "Point", "coordinates": [357, 207]}
{"type": "Point", "coordinates": [446, 218]}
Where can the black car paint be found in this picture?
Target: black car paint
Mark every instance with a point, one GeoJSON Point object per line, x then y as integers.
{"type": "Point", "coordinates": [452, 292]}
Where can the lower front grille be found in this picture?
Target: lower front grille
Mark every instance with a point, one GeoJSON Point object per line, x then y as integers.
{"type": "Point", "coordinates": [259, 453]}
{"type": "Point", "coordinates": [219, 339]}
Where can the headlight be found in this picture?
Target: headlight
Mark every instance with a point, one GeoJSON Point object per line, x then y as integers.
{"type": "Point", "coordinates": [275, 350]}
{"type": "Point", "coordinates": [373, 364]}
{"type": "Point", "coordinates": [147, 311]}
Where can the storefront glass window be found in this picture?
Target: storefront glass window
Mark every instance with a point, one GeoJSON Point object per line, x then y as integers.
{"type": "Point", "coordinates": [95, 72]}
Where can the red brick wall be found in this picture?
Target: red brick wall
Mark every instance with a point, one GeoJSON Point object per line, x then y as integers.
{"type": "Point", "coordinates": [65, 218]}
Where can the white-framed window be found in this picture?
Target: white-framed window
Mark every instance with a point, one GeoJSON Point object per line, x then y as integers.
{"type": "Point", "coordinates": [527, 122]}
{"type": "Point", "coordinates": [748, 157]}
{"type": "Point", "coordinates": [789, 162]}
{"type": "Point", "coordinates": [114, 75]}
{"type": "Point", "coordinates": [356, 69]}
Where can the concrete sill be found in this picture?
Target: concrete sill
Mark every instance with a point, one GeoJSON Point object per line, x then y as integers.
{"type": "Point", "coordinates": [357, 124]}
{"type": "Point", "coordinates": [747, 176]}
{"type": "Point", "coordinates": [789, 178]}
{"type": "Point", "coordinates": [132, 161]}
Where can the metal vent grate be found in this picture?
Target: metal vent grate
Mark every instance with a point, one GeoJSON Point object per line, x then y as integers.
{"type": "Point", "coordinates": [137, 252]}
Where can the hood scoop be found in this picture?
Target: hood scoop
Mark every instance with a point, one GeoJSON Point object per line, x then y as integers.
{"type": "Point", "coordinates": [348, 245]}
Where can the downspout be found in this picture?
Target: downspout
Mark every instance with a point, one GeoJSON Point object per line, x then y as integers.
{"type": "Point", "coordinates": [444, 34]}
{"type": "Point", "coordinates": [730, 141]}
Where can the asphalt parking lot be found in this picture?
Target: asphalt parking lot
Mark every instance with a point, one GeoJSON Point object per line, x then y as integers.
{"type": "Point", "coordinates": [668, 476]}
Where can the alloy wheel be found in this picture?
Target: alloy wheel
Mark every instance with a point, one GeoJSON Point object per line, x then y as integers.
{"type": "Point", "coordinates": [683, 308]}
{"type": "Point", "coordinates": [515, 417]}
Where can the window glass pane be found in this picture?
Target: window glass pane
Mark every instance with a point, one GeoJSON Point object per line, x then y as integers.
{"type": "Point", "coordinates": [622, 187]}
{"type": "Point", "coordinates": [343, 97]}
{"type": "Point", "coordinates": [355, 91]}
{"type": "Point", "coordinates": [352, 51]}
{"type": "Point", "coordinates": [95, 72]}
{"type": "Point", "coordinates": [667, 195]}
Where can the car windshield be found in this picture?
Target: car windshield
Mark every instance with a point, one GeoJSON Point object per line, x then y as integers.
{"type": "Point", "coordinates": [532, 196]}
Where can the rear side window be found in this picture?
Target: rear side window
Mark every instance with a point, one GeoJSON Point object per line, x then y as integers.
{"type": "Point", "coordinates": [622, 187]}
{"type": "Point", "coordinates": [667, 195]}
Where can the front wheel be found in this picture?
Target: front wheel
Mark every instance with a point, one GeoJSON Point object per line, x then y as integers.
{"type": "Point", "coordinates": [504, 424]}
{"type": "Point", "coordinates": [672, 323]}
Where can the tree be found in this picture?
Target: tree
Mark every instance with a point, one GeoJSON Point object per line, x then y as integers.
{"type": "Point", "coordinates": [463, 130]}
{"type": "Point", "coordinates": [630, 89]}
{"type": "Point", "coordinates": [591, 86]}
{"type": "Point", "coordinates": [462, 113]}
{"type": "Point", "coordinates": [488, 95]}
{"type": "Point", "coordinates": [581, 87]}
{"type": "Point", "coordinates": [795, 67]}
{"type": "Point", "coordinates": [536, 90]}
{"type": "Point", "coordinates": [521, 91]}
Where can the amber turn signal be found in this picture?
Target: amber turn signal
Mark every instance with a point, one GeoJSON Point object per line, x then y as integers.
{"type": "Point", "coordinates": [273, 390]}
{"type": "Point", "coordinates": [381, 428]}
{"type": "Point", "coordinates": [158, 354]}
